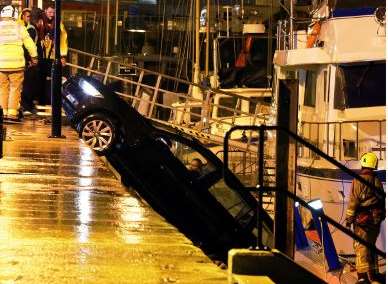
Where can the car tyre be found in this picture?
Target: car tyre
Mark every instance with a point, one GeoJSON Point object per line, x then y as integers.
{"type": "Point", "coordinates": [99, 132]}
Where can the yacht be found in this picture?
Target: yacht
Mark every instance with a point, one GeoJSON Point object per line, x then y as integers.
{"type": "Point", "coordinates": [336, 69]}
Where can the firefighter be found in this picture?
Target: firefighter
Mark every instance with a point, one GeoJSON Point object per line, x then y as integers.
{"type": "Point", "coordinates": [366, 211]}
{"type": "Point", "coordinates": [13, 37]}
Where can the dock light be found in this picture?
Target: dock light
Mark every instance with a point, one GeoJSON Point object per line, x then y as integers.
{"type": "Point", "coordinates": [316, 204]}
{"type": "Point", "coordinates": [325, 236]}
{"type": "Point", "coordinates": [137, 30]}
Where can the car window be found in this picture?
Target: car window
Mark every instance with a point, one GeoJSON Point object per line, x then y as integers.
{"type": "Point", "coordinates": [192, 159]}
{"type": "Point", "coordinates": [233, 202]}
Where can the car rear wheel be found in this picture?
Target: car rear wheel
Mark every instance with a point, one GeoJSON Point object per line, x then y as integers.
{"type": "Point", "coordinates": [98, 132]}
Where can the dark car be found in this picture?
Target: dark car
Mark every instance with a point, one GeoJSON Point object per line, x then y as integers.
{"type": "Point", "coordinates": [96, 112]}
{"type": "Point", "coordinates": [154, 158]}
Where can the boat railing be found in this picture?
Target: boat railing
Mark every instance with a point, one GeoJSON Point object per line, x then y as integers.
{"type": "Point", "coordinates": [345, 140]}
{"type": "Point", "coordinates": [283, 35]}
{"type": "Point", "coordinates": [288, 199]}
{"type": "Point", "coordinates": [167, 99]}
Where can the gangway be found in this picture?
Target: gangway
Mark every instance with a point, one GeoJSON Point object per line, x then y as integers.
{"type": "Point", "coordinates": [168, 100]}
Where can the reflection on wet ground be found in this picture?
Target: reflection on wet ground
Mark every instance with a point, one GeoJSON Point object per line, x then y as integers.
{"type": "Point", "coordinates": [64, 218]}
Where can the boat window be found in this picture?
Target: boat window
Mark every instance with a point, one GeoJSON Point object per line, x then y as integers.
{"type": "Point", "coordinates": [264, 104]}
{"type": "Point", "coordinates": [349, 147]}
{"type": "Point", "coordinates": [325, 95]}
{"type": "Point", "coordinates": [360, 85]}
{"type": "Point", "coordinates": [252, 72]}
{"type": "Point", "coordinates": [310, 89]}
{"type": "Point", "coordinates": [229, 103]}
{"type": "Point", "coordinates": [349, 4]}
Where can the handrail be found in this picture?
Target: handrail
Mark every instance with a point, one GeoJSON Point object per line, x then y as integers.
{"type": "Point", "coordinates": [344, 121]}
{"type": "Point", "coordinates": [244, 163]}
{"type": "Point", "coordinates": [262, 129]}
{"type": "Point", "coordinates": [201, 87]}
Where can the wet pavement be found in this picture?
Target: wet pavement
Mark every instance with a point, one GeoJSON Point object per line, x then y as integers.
{"type": "Point", "coordinates": [65, 218]}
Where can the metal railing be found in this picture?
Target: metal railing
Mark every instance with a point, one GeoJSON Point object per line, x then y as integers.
{"type": "Point", "coordinates": [283, 36]}
{"type": "Point", "coordinates": [345, 140]}
{"type": "Point", "coordinates": [171, 100]}
{"type": "Point", "coordinates": [260, 188]}
{"type": "Point", "coordinates": [242, 162]}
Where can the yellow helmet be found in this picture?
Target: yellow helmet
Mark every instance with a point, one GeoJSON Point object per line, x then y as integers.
{"type": "Point", "coordinates": [369, 160]}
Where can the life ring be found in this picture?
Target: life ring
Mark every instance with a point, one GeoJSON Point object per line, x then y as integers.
{"type": "Point", "coordinates": [313, 35]}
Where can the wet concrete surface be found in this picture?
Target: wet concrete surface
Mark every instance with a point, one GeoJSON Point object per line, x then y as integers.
{"type": "Point", "coordinates": [65, 218]}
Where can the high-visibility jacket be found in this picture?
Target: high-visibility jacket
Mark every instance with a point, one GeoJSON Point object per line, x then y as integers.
{"type": "Point", "coordinates": [48, 44]}
{"type": "Point", "coordinates": [32, 32]}
{"type": "Point", "coordinates": [12, 38]}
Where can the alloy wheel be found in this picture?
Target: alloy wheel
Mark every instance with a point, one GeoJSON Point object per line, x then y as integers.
{"type": "Point", "coordinates": [97, 134]}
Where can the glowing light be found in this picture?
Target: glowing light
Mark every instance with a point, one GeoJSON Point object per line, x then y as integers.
{"type": "Point", "coordinates": [89, 89]}
{"type": "Point", "coordinates": [137, 31]}
{"type": "Point", "coordinates": [316, 204]}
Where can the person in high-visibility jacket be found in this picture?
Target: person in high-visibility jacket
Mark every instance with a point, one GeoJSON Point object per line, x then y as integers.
{"type": "Point", "coordinates": [31, 73]}
{"type": "Point", "coordinates": [48, 48]}
{"type": "Point", "coordinates": [366, 211]}
{"type": "Point", "coordinates": [12, 63]}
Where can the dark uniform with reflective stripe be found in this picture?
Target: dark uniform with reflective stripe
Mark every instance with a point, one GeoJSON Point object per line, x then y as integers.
{"type": "Point", "coordinates": [366, 211]}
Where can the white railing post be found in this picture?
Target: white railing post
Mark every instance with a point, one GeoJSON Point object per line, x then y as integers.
{"type": "Point", "coordinates": [91, 64]}
{"type": "Point", "coordinates": [107, 72]}
{"type": "Point", "coordinates": [138, 86]}
{"type": "Point", "coordinates": [154, 99]}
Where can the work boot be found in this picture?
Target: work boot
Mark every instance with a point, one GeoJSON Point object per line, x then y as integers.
{"type": "Point", "coordinates": [363, 278]}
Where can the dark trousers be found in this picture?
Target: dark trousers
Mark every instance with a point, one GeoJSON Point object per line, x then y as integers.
{"type": "Point", "coordinates": [45, 66]}
{"type": "Point", "coordinates": [366, 261]}
{"type": "Point", "coordinates": [32, 88]}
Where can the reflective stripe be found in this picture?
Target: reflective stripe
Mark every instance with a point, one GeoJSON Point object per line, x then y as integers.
{"type": "Point", "coordinates": [10, 33]}
{"type": "Point", "coordinates": [11, 42]}
{"type": "Point", "coordinates": [11, 60]}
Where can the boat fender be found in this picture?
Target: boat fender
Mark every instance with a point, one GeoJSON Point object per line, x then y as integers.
{"type": "Point", "coordinates": [313, 34]}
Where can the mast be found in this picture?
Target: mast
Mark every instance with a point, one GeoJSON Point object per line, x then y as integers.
{"type": "Point", "coordinates": [196, 91]}
{"type": "Point", "coordinates": [107, 27]}
{"type": "Point", "coordinates": [207, 38]}
{"type": "Point", "coordinates": [116, 23]}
